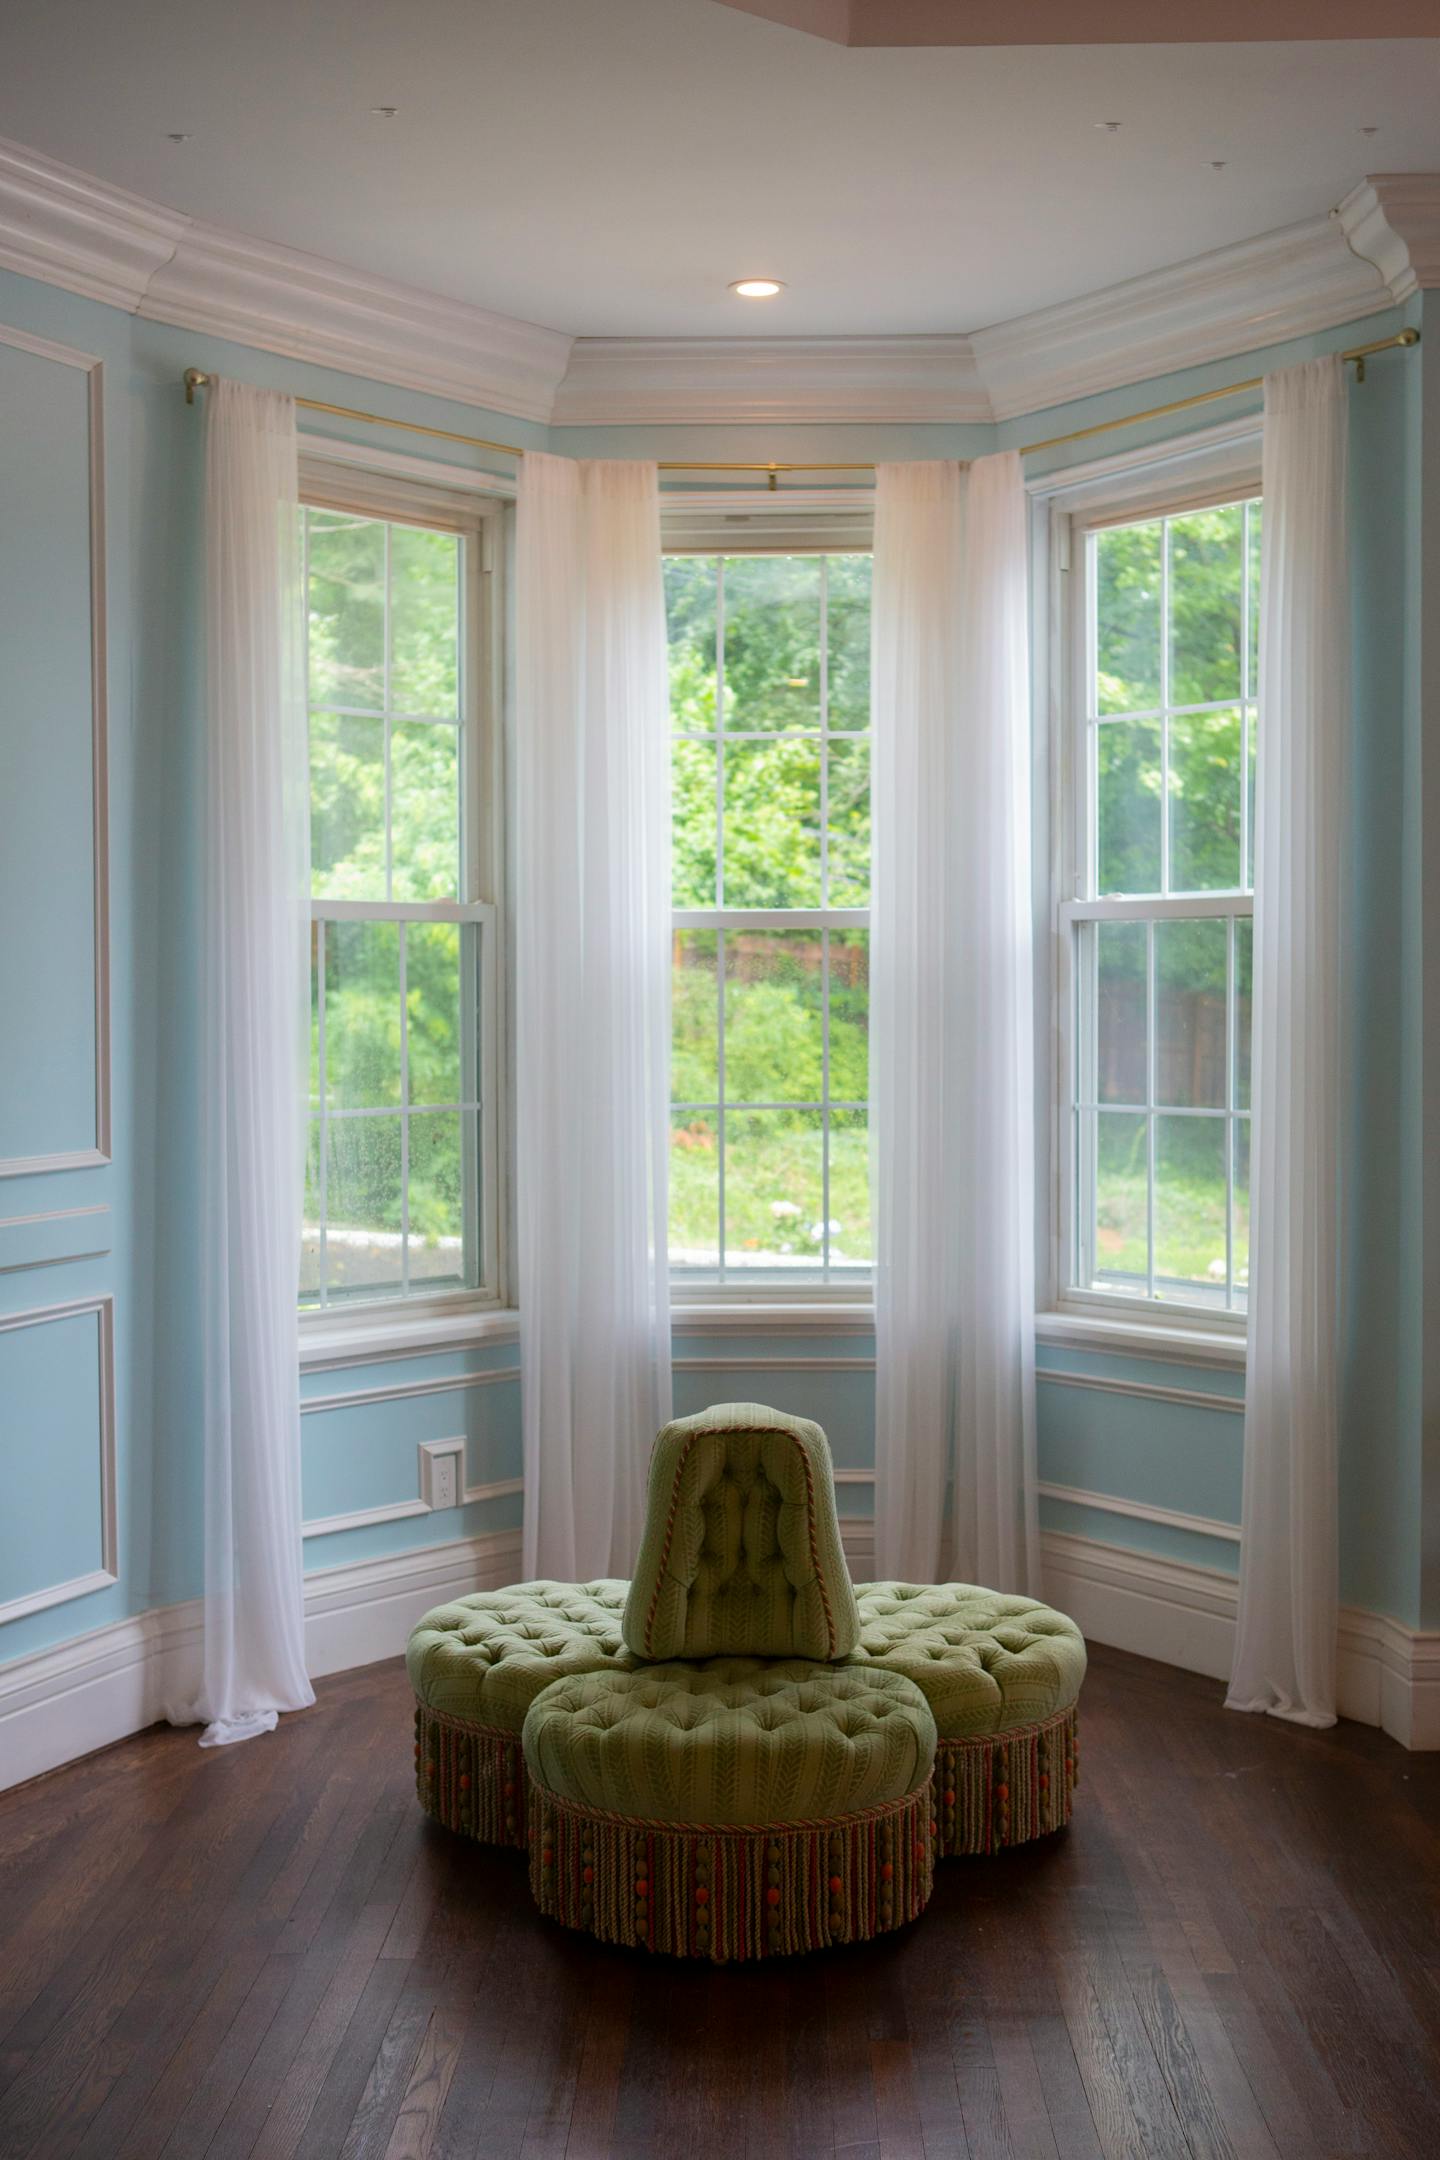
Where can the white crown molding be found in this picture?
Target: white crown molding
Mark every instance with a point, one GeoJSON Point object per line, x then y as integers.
{"type": "Point", "coordinates": [310, 309]}
{"type": "Point", "coordinates": [1393, 220]}
{"type": "Point", "coordinates": [1259, 292]}
{"type": "Point", "coordinates": [718, 382]}
{"type": "Point", "coordinates": [70, 229]}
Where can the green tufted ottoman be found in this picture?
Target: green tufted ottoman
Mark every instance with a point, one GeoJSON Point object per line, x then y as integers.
{"type": "Point", "coordinates": [736, 1808]}
{"type": "Point", "coordinates": [476, 1666]}
{"type": "Point", "coordinates": [1001, 1675]}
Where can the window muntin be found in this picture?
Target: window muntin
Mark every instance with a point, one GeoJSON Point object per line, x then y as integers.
{"type": "Point", "coordinates": [1159, 935]}
{"type": "Point", "coordinates": [770, 712]}
{"type": "Point", "coordinates": [399, 1198]}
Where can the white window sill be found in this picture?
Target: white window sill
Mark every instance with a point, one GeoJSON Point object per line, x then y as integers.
{"type": "Point", "coordinates": [1144, 1338]}
{"type": "Point", "coordinates": [328, 1345]}
{"type": "Point", "coordinates": [772, 1316]}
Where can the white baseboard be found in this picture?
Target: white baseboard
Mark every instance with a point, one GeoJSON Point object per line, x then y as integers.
{"type": "Point", "coordinates": [58, 1704]}
{"type": "Point", "coordinates": [1387, 1674]}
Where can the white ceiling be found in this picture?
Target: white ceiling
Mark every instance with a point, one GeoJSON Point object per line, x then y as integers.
{"type": "Point", "coordinates": [605, 167]}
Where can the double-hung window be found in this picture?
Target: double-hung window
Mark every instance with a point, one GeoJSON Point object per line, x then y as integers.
{"type": "Point", "coordinates": [770, 711]}
{"type": "Point", "coordinates": [400, 1189]}
{"type": "Point", "coordinates": [1155, 918]}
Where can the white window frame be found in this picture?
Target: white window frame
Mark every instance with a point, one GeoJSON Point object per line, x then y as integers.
{"type": "Point", "coordinates": [407, 1320]}
{"type": "Point", "coordinates": [801, 522]}
{"type": "Point", "coordinates": [1171, 482]}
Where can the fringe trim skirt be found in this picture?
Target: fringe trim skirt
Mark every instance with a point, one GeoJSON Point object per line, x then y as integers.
{"type": "Point", "coordinates": [472, 1778]}
{"type": "Point", "coordinates": [706, 1891]}
{"type": "Point", "coordinates": [1003, 1789]}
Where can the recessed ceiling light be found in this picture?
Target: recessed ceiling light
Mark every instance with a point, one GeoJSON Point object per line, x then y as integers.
{"type": "Point", "coordinates": [1371, 130]}
{"type": "Point", "coordinates": [1217, 164]}
{"type": "Point", "coordinates": [757, 288]}
{"type": "Point", "coordinates": [180, 137]}
{"type": "Point", "coordinates": [383, 112]}
{"type": "Point", "coordinates": [1108, 127]}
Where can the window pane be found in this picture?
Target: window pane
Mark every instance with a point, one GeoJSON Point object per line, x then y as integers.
{"type": "Point", "coordinates": [310, 1225]}
{"type": "Point", "coordinates": [1127, 619]}
{"type": "Point", "coordinates": [693, 809]}
{"type": "Point", "coordinates": [347, 808]}
{"type": "Point", "coordinates": [772, 641]}
{"type": "Point", "coordinates": [694, 1018]}
{"type": "Point", "coordinates": [773, 1188]}
{"type": "Point", "coordinates": [772, 824]}
{"type": "Point", "coordinates": [1206, 575]}
{"type": "Point", "coordinates": [849, 838]}
{"type": "Point", "coordinates": [690, 614]}
{"type": "Point", "coordinates": [424, 810]}
{"type": "Point", "coordinates": [434, 1010]}
{"type": "Point", "coordinates": [1241, 1216]}
{"type": "Point", "coordinates": [1190, 1208]}
{"type": "Point", "coordinates": [362, 1239]}
{"type": "Point", "coordinates": [848, 639]}
{"type": "Point", "coordinates": [1190, 1013]}
{"type": "Point", "coordinates": [1121, 1160]}
{"type": "Point", "coordinates": [1244, 985]}
{"type": "Point", "coordinates": [1120, 1019]}
{"type": "Point", "coordinates": [695, 1189]}
{"type": "Point", "coordinates": [850, 1237]}
{"type": "Point", "coordinates": [1205, 802]}
{"type": "Point", "coordinates": [362, 1016]}
{"type": "Point", "coordinates": [347, 610]}
{"type": "Point", "coordinates": [1254, 513]}
{"type": "Point", "coordinates": [773, 1007]}
{"type": "Point", "coordinates": [437, 1183]}
{"type": "Point", "coordinates": [850, 1016]}
{"type": "Point", "coordinates": [1128, 806]}
{"type": "Point", "coordinates": [424, 622]}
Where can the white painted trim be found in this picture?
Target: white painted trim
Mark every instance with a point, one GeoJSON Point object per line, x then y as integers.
{"type": "Point", "coordinates": [401, 1390]}
{"type": "Point", "coordinates": [86, 1158]}
{"type": "Point", "coordinates": [1141, 1339]}
{"type": "Point", "coordinates": [1393, 221]}
{"type": "Point", "coordinates": [772, 1317]}
{"type": "Point", "coordinates": [1190, 1398]}
{"type": "Point", "coordinates": [400, 465]}
{"type": "Point", "coordinates": [75, 230]}
{"type": "Point", "coordinates": [722, 381]}
{"type": "Point", "coordinates": [61, 1703]}
{"type": "Point", "coordinates": [772, 1364]}
{"type": "Point", "coordinates": [1387, 1674]}
{"type": "Point", "coordinates": [1141, 1511]}
{"type": "Point", "coordinates": [1259, 292]}
{"type": "Point", "coordinates": [364, 1518]}
{"type": "Point", "coordinates": [108, 1572]}
{"type": "Point", "coordinates": [337, 1347]}
{"type": "Point", "coordinates": [500, 1489]}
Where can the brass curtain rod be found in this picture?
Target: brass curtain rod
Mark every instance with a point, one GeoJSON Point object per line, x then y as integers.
{"type": "Point", "coordinates": [196, 379]}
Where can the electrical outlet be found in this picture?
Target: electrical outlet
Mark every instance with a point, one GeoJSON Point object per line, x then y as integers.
{"type": "Point", "coordinates": [442, 1473]}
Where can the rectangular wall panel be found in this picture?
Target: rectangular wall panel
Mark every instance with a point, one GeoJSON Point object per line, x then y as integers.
{"type": "Point", "coordinates": [54, 1110]}
{"type": "Point", "coordinates": [57, 1456]}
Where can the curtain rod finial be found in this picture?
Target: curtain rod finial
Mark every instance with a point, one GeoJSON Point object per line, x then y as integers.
{"type": "Point", "coordinates": [195, 379]}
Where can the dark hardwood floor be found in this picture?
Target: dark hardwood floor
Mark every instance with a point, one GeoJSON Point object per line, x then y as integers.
{"type": "Point", "coordinates": [267, 1950]}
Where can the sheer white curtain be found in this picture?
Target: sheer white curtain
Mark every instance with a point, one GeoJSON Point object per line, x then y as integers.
{"type": "Point", "coordinates": [253, 1066]}
{"type": "Point", "coordinates": [952, 1074]}
{"type": "Point", "coordinates": [1285, 1644]}
{"type": "Point", "coordinates": [593, 1006]}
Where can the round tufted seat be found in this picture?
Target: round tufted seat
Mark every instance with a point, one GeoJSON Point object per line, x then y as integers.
{"type": "Point", "coordinates": [476, 1666]}
{"type": "Point", "coordinates": [731, 1808]}
{"type": "Point", "coordinates": [1002, 1675]}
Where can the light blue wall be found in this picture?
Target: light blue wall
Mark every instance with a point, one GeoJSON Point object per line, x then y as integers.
{"type": "Point", "coordinates": [1181, 1457]}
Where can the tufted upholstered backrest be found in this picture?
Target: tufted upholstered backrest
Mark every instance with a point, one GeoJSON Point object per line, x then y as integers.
{"type": "Point", "coordinates": [741, 1554]}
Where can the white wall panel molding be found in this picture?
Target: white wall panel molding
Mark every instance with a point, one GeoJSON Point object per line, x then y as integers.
{"type": "Point", "coordinates": [1151, 1390]}
{"type": "Point", "coordinates": [402, 1390]}
{"type": "Point", "coordinates": [108, 1572]}
{"type": "Point", "coordinates": [733, 381]}
{"type": "Point", "coordinates": [1282, 285]}
{"type": "Point", "coordinates": [1141, 1339]}
{"type": "Point", "coordinates": [1141, 1511]}
{"type": "Point", "coordinates": [71, 229]}
{"type": "Point", "coordinates": [310, 309]}
{"type": "Point", "coordinates": [406, 1510]}
{"type": "Point", "coordinates": [90, 1157]}
{"type": "Point", "coordinates": [1393, 220]}
{"type": "Point", "coordinates": [54, 1235]}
